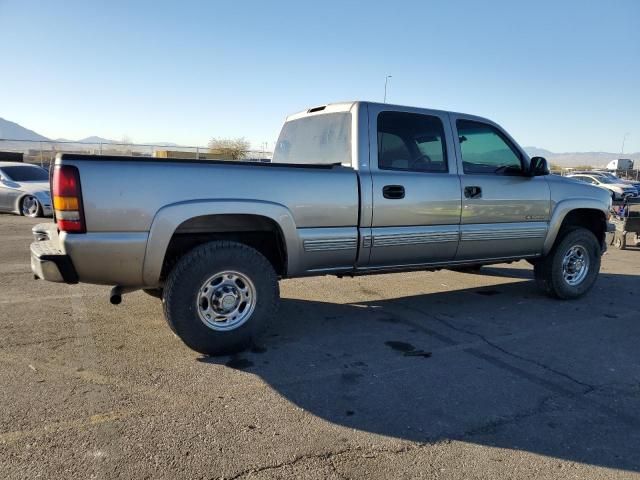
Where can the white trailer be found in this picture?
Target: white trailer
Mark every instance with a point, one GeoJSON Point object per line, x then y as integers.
{"type": "Point", "coordinates": [620, 164]}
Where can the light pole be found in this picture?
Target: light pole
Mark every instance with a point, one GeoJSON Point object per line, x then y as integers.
{"type": "Point", "coordinates": [386, 81]}
{"type": "Point", "coordinates": [624, 139]}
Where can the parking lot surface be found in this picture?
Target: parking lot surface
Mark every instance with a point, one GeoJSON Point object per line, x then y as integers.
{"type": "Point", "coordinates": [418, 375]}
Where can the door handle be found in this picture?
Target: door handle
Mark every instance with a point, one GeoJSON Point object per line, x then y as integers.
{"type": "Point", "coordinates": [393, 192]}
{"type": "Point", "coordinates": [473, 192]}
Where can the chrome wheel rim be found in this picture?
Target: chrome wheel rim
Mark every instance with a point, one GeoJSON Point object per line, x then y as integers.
{"type": "Point", "coordinates": [226, 300]}
{"type": "Point", "coordinates": [30, 206]}
{"type": "Point", "coordinates": [575, 265]}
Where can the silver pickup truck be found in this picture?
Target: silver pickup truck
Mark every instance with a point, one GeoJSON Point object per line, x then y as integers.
{"type": "Point", "coordinates": [354, 188]}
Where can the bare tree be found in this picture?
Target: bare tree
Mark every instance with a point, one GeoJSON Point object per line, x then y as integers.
{"type": "Point", "coordinates": [234, 148]}
{"type": "Point", "coordinates": [125, 144]}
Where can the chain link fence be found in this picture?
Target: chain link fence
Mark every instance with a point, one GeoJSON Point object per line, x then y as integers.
{"type": "Point", "coordinates": [43, 153]}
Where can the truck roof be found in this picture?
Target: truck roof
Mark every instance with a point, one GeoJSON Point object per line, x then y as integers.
{"type": "Point", "coordinates": [348, 105]}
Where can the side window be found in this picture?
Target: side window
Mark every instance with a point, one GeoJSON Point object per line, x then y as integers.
{"type": "Point", "coordinates": [411, 142]}
{"type": "Point", "coordinates": [583, 179]}
{"type": "Point", "coordinates": [485, 150]}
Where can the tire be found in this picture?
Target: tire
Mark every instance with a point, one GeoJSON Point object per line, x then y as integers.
{"type": "Point", "coordinates": [200, 290]}
{"type": "Point", "coordinates": [30, 207]}
{"type": "Point", "coordinates": [577, 246]}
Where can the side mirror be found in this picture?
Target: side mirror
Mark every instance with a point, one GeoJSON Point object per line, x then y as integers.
{"type": "Point", "coordinates": [538, 167]}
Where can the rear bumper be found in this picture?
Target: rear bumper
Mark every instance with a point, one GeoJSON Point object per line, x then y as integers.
{"type": "Point", "coordinates": [48, 262]}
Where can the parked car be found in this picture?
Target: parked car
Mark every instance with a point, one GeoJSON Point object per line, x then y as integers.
{"type": "Point", "coordinates": [354, 189]}
{"type": "Point", "coordinates": [618, 190]}
{"type": "Point", "coordinates": [613, 177]}
{"type": "Point", "coordinates": [24, 189]}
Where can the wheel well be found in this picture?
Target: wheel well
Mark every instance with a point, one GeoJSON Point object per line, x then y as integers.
{"type": "Point", "coordinates": [591, 219]}
{"type": "Point", "coordinates": [255, 231]}
{"type": "Point", "coordinates": [20, 199]}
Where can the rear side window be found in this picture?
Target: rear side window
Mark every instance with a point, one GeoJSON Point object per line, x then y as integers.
{"type": "Point", "coordinates": [486, 150]}
{"type": "Point", "coordinates": [318, 139]}
{"type": "Point", "coordinates": [412, 142]}
{"type": "Point", "coordinates": [26, 173]}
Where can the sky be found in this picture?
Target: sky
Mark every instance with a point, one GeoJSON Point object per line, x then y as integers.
{"type": "Point", "coordinates": [562, 75]}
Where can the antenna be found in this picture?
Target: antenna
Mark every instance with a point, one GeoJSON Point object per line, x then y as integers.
{"type": "Point", "coordinates": [624, 139]}
{"type": "Point", "coordinates": [386, 81]}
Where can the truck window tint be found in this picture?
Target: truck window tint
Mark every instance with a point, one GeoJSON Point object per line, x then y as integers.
{"type": "Point", "coordinates": [318, 139]}
{"type": "Point", "coordinates": [412, 142]}
{"type": "Point", "coordinates": [485, 150]}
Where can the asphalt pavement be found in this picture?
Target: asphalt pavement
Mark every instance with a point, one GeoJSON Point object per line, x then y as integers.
{"type": "Point", "coordinates": [416, 375]}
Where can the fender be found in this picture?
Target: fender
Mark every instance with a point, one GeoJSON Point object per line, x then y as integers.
{"type": "Point", "coordinates": [561, 210]}
{"type": "Point", "coordinates": [168, 218]}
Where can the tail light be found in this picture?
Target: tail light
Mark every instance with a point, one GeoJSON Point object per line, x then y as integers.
{"type": "Point", "coordinates": [67, 199]}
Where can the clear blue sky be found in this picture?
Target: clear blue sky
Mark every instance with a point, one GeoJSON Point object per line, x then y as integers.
{"type": "Point", "coordinates": [563, 75]}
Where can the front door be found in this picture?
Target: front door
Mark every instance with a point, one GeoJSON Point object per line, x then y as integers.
{"type": "Point", "coordinates": [505, 213]}
{"type": "Point", "coordinates": [416, 189]}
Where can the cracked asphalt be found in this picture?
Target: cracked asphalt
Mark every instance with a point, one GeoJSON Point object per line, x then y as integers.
{"type": "Point", "coordinates": [419, 375]}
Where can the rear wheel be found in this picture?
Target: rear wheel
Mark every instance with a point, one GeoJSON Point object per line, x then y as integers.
{"type": "Point", "coordinates": [571, 267]}
{"type": "Point", "coordinates": [220, 296]}
{"type": "Point", "coordinates": [30, 207]}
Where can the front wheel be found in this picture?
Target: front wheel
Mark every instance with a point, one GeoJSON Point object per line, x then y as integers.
{"type": "Point", "coordinates": [571, 267]}
{"type": "Point", "coordinates": [30, 207]}
{"type": "Point", "coordinates": [219, 296]}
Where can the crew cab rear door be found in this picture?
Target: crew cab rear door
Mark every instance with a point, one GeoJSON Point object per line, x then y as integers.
{"type": "Point", "coordinates": [505, 213]}
{"type": "Point", "coordinates": [416, 189]}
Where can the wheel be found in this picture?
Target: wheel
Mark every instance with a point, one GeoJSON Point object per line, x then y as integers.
{"type": "Point", "coordinates": [620, 240]}
{"type": "Point", "coordinates": [571, 267]}
{"type": "Point", "coordinates": [30, 207]}
{"type": "Point", "coordinates": [219, 296]}
{"type": "Point", "coordinates": [154, 292]}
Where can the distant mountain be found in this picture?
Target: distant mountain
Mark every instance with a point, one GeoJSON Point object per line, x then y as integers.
{"type": "Point", "coordinates": [95, 139]}
{"type": "Point", "coordinates": [163, 144]}
{"type": "Point", "coordinates": [538, 152]}
{"type": "Point", "coordinates": [14, 131]}
{"type": "Point", "coordinates": [574, 159]}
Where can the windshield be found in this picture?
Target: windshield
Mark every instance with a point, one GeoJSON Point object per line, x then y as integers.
{"type": "Point", "coordinates": [603, 179]}
{"type": "Point", "coordinates": [26, 173]}
{"type": "Point", "coordinates": [315, 140]}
